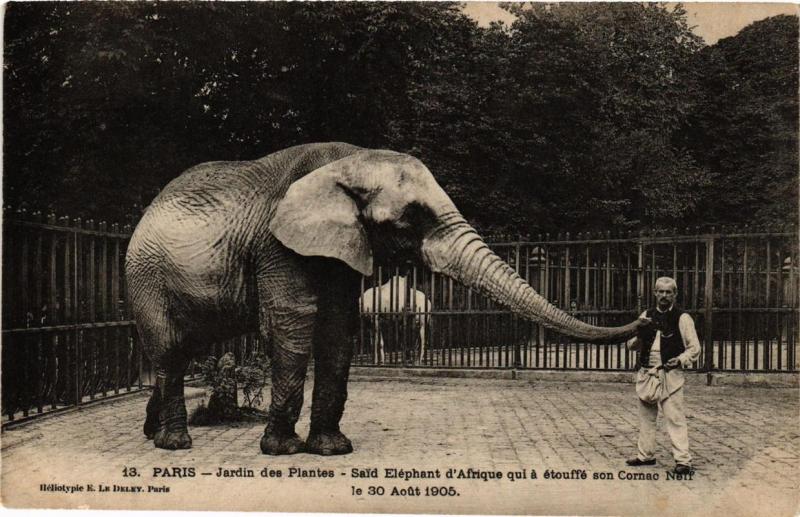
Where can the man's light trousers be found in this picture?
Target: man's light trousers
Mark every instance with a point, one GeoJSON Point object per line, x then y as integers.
{"type": "Point", "coordinates": [674, 417]}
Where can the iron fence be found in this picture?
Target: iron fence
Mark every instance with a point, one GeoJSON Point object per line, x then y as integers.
{"type": "Point", "coordinates": [68, 337]}
{"type": "Point", "coordinates": [748, 322]}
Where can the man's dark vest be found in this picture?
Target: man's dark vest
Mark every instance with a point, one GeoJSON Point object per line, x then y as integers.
{"type": "Point", "coordinates": [671, 340]}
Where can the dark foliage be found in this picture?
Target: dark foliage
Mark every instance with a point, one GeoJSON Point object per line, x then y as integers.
{"type": "Point", "coordinates": [744, 130]}
{"type": "Point", "coordinates": [578, 116]}
{"type": "Point", "coordinates": [223, 378]}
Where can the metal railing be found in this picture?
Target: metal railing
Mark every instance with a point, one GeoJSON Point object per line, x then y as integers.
{"type": "Point", "coordinates": [68, 337]}
{"type": "Point", "coordinates": [747, 323]}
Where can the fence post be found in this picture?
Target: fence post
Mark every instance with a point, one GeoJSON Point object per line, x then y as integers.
{"type": "Point", "coordinates": [708, 299]}
{"type": "Point", "coordinates": [640, 275]}
{"type": "Point", "coordinates": [76, 308]}
{"type": "Point", "coordinates": [517, 351]}
{"type": "Point", "coordinates": [52, 316]}
{"type": "Point", "coordinates": [114, 309]}
{"type": "Point", "coordinates": [567, 277]}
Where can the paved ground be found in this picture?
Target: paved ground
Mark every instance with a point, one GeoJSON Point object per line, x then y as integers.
{"type": "Point", "coordinates": [746, 443]}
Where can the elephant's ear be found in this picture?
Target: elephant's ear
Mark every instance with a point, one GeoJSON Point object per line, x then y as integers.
{"type": "Point", "coordinates": [319, 216]}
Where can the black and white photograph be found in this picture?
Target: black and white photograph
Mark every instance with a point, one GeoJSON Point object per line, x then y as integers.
{"type": "Point", "coordinates": [476, 258]}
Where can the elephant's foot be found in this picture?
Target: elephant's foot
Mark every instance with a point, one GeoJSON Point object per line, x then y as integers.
{"type": "Point", "coordinates": [172, 440]}
{"type": "Point", "coordinates": [172, 432]}
{"type": "Point", "coordinates": [328, 444]}
{"type": "Point", "coordinates": [279, 444]}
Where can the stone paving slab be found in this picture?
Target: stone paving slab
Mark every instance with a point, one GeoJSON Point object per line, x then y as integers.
{"type": "Point", "coordinates": [746, 443]}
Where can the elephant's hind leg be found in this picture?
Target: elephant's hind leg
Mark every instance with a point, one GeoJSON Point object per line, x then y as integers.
{"type": "Point", "coordinates": [165, 422]}
{"type": "Point", "coordinates": [173, 432]}
{"type": "Point", "coordinates": [166, 410]}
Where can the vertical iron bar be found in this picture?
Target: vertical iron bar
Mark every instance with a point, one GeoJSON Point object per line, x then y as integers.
{"type": "Point", "coordinates": [468, 328]}
{"type": "Point", "coordinates": [361, 314]}
{"type": "Point", "coordinates": [722, 342]}
{"type": "Point", "coordinates": [640, 278]}
{"type": "Point", "coordinates": [743, 346]}
{"type": "Point", "coordinates": [767, 274]}
{"type": "Point", "coordinates": [731, 337]}
{"type": "Point", "coordinates": [25, 390]}
{"type": "Point", "coordinates": [114, 307]}
{"type": "Point", "coordinates": [92, 315]}
{"type": "Point", "coordinates": [607, 287]}
{"type": "Point", "coordinates": [431, 329]}
{"type": "Point", "coordinates": [76, 242]}
{"type": "Point", "coordinates": [139, 354]}
{"type": "Point", "coordinates": [794, 292]}
{"type": "Point", "coordinates": [675, 262]}
{"type": "Point", "coordinates": [653, 272]}
{"type": "Point", "coordinates": [416, 333]}
{"type": "Point", "coordinates": [767, 361]}
{"type": "Point", "coordinates": [566, 302]}
{"type": "Point", "coordinates": [515, 343]}
{"type": "Point", "coordinates": [37, 297]}
{"type": "Point", "coordinates": [103, 287]}
{"type": "Point", "coordinates": [708, 295]}
{"type": "Point", "coordinates": [67, 297]}
{"type": "Point", "coordinates": [607, 298]}
{"type": "Point", "coordinates": [52, 317]}
{"type": "Point", "coordinates": [377, 308]}
{"type": "Point", "coordinates": [129, 361]}
{"type": "Point", "coordinates": [696, 287]}
{"type": "Point", "coordinates": [450, 321]}
{"type": "Point", "coordinates": [628, 282]}
{"type": "Point", "coordinates": [780, 302]}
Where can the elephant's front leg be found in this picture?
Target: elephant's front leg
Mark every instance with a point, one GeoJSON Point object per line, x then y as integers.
{"type": "Point", "coordinates": [333, 352]}
{"type": "Point", "coordinates": [292, 331]}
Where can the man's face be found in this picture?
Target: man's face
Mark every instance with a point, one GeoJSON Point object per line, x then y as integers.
{"type": "Point", "coordinates": [665, 295]}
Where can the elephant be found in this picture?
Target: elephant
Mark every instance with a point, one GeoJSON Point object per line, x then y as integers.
{"type": "Point", "coordinates": [278, 245]}
{"type": "Point", "coordinates": [390, 297]}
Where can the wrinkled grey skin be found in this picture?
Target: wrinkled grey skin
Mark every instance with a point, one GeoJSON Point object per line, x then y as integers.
{"type": "Point", "coordinates": [277, 245]}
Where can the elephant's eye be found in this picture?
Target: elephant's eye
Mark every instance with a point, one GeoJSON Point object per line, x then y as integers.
{"type": "Point", "coordinates": [416, 217]}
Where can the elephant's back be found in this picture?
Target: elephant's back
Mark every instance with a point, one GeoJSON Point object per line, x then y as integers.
{"type": "Point", "coordinates": [291, 164]}
{"type": "Point", "coordinates": [216, 186]}
{"type": "Point", "coordinates": [203, 218]}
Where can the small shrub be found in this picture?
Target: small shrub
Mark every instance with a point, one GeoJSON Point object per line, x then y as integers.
{"type": "Point", "coordinates": [222, 376]}
{"type": "Point", "coordinates": [253, 377]}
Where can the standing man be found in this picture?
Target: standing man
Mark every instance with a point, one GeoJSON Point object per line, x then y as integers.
{"type": "Point", "coordinates": [670, 341]}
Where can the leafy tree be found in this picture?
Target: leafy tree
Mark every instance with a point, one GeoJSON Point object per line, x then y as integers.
{"type": "Point", "coordinates": [603, 87]}
{"type": "Point", "coordinates": [121, 97]}
{"type": "Point", "coordinates": [576, 116]}
{"type": "Point", "coordinates": [745, 130]}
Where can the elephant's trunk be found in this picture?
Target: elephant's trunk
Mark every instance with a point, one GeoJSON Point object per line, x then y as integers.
{"type": "Point", "coordinates": [455, 249]}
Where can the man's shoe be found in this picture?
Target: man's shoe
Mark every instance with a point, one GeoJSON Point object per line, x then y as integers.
{"type": "Point", "coordinates": [636, 462]}
{"type": "Point", "coordinates": [682, 469]}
